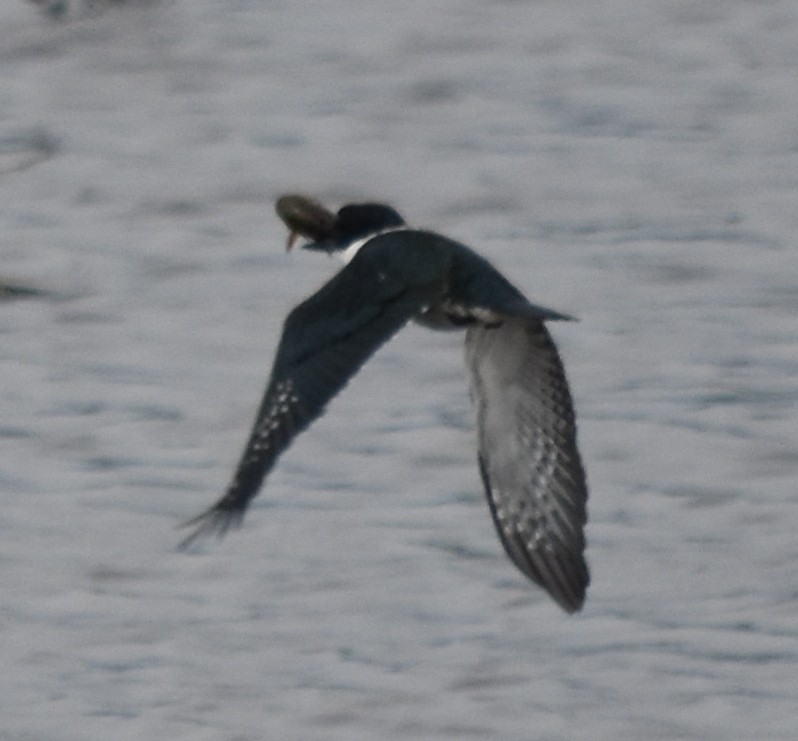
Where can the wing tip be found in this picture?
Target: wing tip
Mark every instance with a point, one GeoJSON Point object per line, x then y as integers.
{"type": "Point", "coordinates": [573, 599]}
{"type": "Point", "coordinates": [565, 582]}
{"type": "Point", "coordinates": [216, 521]}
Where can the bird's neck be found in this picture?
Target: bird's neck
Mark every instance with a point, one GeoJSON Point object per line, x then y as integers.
{"type": "Point", "coordinates": [349, 252]}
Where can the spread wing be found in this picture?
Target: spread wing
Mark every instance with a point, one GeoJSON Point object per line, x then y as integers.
{"type": "Point", "coordinates": [528, 458]}
{"type": "Point", "coordinates": [325, 341]}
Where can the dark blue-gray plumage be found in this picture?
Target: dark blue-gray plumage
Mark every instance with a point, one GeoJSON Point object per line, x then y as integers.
{"type": "Point", "coordinates": [527, 453]}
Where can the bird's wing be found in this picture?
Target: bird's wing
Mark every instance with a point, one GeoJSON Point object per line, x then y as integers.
{"type": "Point", "coordinates": [528, 458]}
{"type": "Point", "coordinates": [325, 341]}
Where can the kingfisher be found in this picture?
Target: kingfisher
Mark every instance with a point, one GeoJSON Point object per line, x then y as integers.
{"type": "Point", "coordinates": [527, 451]}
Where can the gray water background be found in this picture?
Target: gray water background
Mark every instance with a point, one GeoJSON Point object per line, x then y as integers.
{"type": "Point", "coordinates": [632, 162]}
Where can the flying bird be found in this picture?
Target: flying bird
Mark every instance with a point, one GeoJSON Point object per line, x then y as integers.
{"type": "Point", "coordinates": [526, 431]}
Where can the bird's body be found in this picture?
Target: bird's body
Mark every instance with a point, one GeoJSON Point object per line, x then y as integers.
{"type": "Point", "coordinates": [528, 459]}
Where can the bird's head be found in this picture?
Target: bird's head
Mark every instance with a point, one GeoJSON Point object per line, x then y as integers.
{"type": "Point", "coordinates": [331, 232]}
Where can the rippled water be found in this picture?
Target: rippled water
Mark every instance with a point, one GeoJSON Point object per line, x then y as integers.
{"type": "Point", "coordinates": [633, 163]}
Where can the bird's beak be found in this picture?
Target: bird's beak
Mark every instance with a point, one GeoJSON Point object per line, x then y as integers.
{"type": "Point", "coordinates": [291, 241]}
{"type": "Point", "coordinates": [304, 217]}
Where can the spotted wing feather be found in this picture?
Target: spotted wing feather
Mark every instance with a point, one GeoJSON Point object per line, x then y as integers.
{"type": "Point", "coordinates": [528, 458]}
{"type": "Point", "coordinates": [325, 341]}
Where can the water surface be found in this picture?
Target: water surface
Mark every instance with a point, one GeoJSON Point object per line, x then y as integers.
{"type": "Point", "coordinates": [632, 163]}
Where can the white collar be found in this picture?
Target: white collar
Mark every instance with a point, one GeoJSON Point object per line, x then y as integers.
{"type": "Point", "coordinates": [347, 254]}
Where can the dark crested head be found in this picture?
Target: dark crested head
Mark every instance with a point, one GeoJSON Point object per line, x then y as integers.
{"type": "Point", "coordinates": [332, 232]}
{"type": "Point", "coordinates": [358, 220]}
